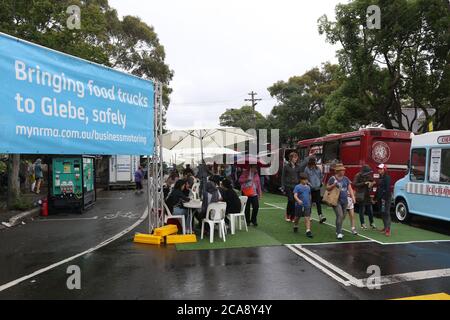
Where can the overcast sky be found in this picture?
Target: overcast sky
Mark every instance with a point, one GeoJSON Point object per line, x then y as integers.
{"type": "Point", "coordinates": [220, 50]}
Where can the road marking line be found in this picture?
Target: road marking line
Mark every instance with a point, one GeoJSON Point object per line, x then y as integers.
{"type": "Point", "coordinates": [57, 220]}
{"type": "Point", "coordinates": [333, 243]}
{"type": "Point", "coordinates": [317, 265]}
{"type": "Point", "coordinates": [418, 241]}
{"type": "Point", "coordinates": [437, 296]}
{"type": "Point", "coordinates": [413, 276]}
{"type": "Point", "coordinates": [354, 281]}
{"type": "Point", "coordinates": [109, 198]}
{"type": "Point", "coordinates": [362, 283]}
{"type": "Point", "coordinates": [330, 225]}
{"type": "Point", "coordinates": [101, 245]}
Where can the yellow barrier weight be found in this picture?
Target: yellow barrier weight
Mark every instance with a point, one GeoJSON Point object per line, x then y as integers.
{"type": "Point", "coordinates": [178, 239]}
{"type": "Point", "coordinates": [148, 239]}
{"type": "Point", "coordinates": [166, 230]}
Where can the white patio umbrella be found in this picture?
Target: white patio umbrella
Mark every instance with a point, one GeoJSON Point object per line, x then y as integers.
{"type": "Point", "coordinates": [209, 154]}
{"type": "Point", "coordinates": [205, 139]}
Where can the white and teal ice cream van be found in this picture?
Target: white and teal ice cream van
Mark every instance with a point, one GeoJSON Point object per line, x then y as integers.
{"type": "Point", "coordinates": [425, 191]}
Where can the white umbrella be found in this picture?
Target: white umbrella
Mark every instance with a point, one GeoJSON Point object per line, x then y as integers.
{"type": "Point", "coordinates": [210, 155]}
{"type": "Point", "coordinates": [204, 139]}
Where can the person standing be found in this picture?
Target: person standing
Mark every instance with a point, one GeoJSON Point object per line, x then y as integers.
{"type": "Point", "coordinates": [351, 212]}
{"type": "Point", "coordinates": [39, 176]}
{"type": "Point", "coordinates": [383, 197]}
{"type": "Point", "coordinates": [251, 188]}
{"type": "Point", "coordinates": [138, 177]}
{"type": "Point", "coordinates": [302, 196]}
{"type": "Point", "coordinates": [315, 178]}
{"type": "Point", "coordinates": [291, 177]}
{"type": "Point", "coordinates": [364, 183]}
{"type": "Point", "coordinates": [340, 181]}
{"type": "Point", "coordinates": [262, 179]}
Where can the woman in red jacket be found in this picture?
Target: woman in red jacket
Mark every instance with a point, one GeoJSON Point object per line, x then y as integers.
{"type": "Point", "coordinates": [251, 187]}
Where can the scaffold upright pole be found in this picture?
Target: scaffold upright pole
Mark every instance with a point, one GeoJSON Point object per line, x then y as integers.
{"type": "Point", "coordinates": [156, 207]}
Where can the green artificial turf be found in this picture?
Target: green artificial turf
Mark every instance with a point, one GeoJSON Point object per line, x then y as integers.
{"type": "Point", "coordinates": [400, 232]}
{"type": "Point", "coordinates": [242, 239]}
{"type": "Point", "coordinates": [273, 230]}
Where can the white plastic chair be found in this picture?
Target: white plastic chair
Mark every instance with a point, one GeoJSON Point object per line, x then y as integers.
{"type": "Point", "coordinates": [239, 216]}
{"type": "Point", "coordinates": [195, 191]}
{"type": "Point", "coordinates": [170, 216]}
{"type": "Point", "coordinates": [215, 215]}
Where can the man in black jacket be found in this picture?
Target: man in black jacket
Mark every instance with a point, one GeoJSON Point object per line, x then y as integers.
{"type": "Point", "coordinates": [291, 178]}
{"type": "Point", "coordinates": [383, 197]}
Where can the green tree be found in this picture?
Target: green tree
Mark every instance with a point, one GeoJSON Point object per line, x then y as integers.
{"type": "Point", "coordinates": [403, 64]}
{"type": "Point", "coordinates": [243, 118]}
{"type": "Point", "coordinates": [301, 102]}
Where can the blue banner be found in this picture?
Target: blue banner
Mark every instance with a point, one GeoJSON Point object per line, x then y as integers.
{"type": "Point", "coordinates": [53, 103]}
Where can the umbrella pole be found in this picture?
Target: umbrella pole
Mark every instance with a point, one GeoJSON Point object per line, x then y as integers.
{"type": "Point", "coordinates": [203, 165]}
{"type": "Point", "coordinates": [201, 145]}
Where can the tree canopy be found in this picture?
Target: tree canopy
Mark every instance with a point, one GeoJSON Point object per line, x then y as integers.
{"type": "Point", "coordinates": [243, 118]}
{"type": "Point", "coordinates": [301, 102]}
{"type": "Point", "coordinates": [405, 64]}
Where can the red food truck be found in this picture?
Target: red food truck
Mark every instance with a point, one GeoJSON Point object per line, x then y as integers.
{"type": "Point", "coordinates": [355, 149]}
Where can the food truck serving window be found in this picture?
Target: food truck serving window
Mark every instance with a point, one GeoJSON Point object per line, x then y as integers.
{"type": "Point", "coordinates": [440, 166]}
{"type": "Point", "coordinates": [330, 151]}
{"type": "Point", "coordinates": [418, 161]}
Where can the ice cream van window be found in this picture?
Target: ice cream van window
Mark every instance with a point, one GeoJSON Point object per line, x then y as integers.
{"type": "Point", "coordinates": [445, 166]}
{"type": "Point", "coordinates": [418, 161]}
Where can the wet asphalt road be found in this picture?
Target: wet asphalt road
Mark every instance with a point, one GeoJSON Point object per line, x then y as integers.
{"type": "Point", "coordinates": [124, 270]}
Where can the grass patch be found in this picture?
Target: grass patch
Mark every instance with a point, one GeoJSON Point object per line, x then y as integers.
{"type": "Point", "coordinates": [22, 204]}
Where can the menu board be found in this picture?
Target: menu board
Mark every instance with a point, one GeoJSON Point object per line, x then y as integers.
{"type": "Point", "coordinates": [435, 166]}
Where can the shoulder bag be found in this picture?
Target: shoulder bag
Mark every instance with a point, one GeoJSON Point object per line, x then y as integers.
{"type": "Point", "coordinates": [331, 197]}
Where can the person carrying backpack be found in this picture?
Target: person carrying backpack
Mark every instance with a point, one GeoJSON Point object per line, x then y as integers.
{"type": "Point", "coordinates": [364, 183]}
{"type": "Point", "coordinates": [383, 197]}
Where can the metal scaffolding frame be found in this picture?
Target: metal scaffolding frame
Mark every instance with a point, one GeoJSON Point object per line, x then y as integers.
{"type": "Point", "coordinates": [155, 166]}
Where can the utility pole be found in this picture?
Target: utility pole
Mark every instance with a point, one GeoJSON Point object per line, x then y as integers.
{"type": "Point", "coordinates": [254, 103]}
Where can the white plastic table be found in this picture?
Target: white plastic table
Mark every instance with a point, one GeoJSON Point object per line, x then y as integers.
{"type": "Point", "coordinates": [191, 206]}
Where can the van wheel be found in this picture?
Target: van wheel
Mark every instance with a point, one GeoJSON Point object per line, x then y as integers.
{"type": "Point", "coordinates": [401, 211]}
